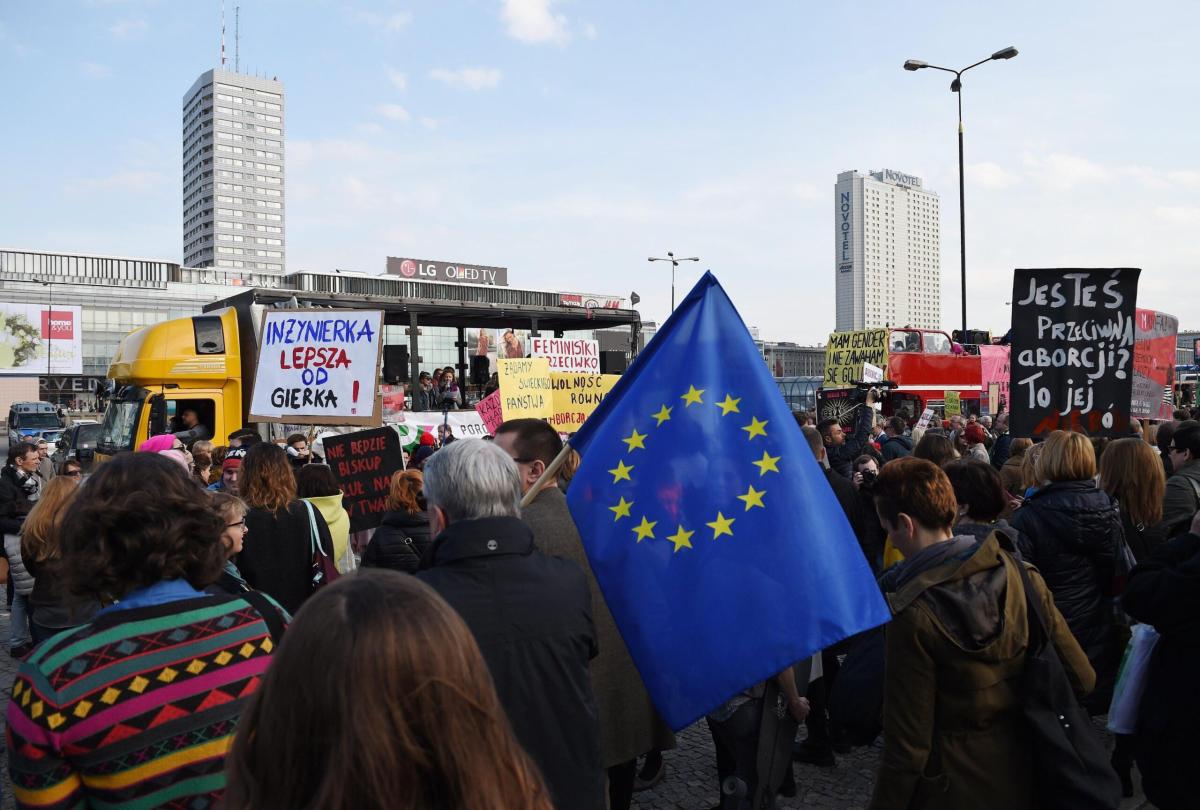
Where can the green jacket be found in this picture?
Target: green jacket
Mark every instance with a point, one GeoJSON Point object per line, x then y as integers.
{"type": "Point", "coordinates": [953, 734]}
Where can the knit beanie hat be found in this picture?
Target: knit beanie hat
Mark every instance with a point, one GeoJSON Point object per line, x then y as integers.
{"type": "Point", "coordinates": [233, 459]}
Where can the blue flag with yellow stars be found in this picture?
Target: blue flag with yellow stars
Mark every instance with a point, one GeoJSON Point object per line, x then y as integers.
{"type": "Point", "coordinates": [721, 550]}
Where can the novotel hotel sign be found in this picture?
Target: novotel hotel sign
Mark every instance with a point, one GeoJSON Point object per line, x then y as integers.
{"type": "Point", "coordinates": [899, 178]}
{"type": "Point", "coordinates": [429, 270]}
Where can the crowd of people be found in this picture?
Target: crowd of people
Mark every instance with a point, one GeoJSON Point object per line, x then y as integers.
{"type": "Point", "coordinates": [464, 656]}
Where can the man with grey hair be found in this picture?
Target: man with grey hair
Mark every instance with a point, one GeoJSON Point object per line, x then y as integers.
{"type": "Point", "coordinates": [530, 614]}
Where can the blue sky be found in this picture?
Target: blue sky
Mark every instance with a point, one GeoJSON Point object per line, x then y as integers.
{"type": "Point", "coordinates": [569, 140]}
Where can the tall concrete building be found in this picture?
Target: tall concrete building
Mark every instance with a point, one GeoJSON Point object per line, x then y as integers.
{"type": "Point", "coordinates": [233, 178]}
{"type": "Point", "coordinates": [886, 251]}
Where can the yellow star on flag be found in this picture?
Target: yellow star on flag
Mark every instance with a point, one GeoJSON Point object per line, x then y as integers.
{"type": "Point", "coordinates": [621, 509]}
{"type": "Point", "coordinates": [721, 526]}
{"type": "Point", "coordinates": [645, 529]}
{"type": "Point", "coordinates": [730, 405]}
{"type": "Point", "coordinates": [753, 497]}
{"type": "Point", "coordinates": [692, 397]}
{"type": "Point", "coordinates": [768, 463]}
{"type": "Point", "coordinates": [681, 539]}
{"type": "Point", "coordinates": [622, 471]}
{"type": "Point", "coordinates": [663, 415]}
{"type": "Point", "coordinates": [636, 440]}
{"type": "Point", "coordinates": [756, 427]}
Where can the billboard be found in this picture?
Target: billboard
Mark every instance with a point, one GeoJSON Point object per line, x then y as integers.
{"type": "Point", "coordinates": [431, 270]}
{"type": "Point", "coordinates": [29, 331]}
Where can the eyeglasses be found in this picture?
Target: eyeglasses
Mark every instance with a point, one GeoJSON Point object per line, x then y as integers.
{"type": "Point", "coordinates": [1173, 449]}
{"type": "Point", "coordinates": [74, 474]}
{"type": "Point", "coordinates": [241, 523]}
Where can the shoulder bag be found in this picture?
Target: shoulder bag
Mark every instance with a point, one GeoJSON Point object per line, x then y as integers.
{"type": "Point", "coordinates": [323, 569]}
{"type": "Point", "coordinates": [1070, 762]}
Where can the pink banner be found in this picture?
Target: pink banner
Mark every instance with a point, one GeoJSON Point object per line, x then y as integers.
{"type": "Point", "coordinates": [994, 360]}
{"type": "Point", "coordinates": [490, 411]}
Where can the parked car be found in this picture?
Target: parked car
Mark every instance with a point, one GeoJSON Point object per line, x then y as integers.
{"type": "Point", "coordinates": [78, 442]}
{"type": "Point", "coordinates": [30, 421]}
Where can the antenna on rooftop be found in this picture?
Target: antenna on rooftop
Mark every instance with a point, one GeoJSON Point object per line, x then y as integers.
{"type": "Point", "coordinates": [222, 34]}
{"type": "Point", "coordinates": [237, 37]}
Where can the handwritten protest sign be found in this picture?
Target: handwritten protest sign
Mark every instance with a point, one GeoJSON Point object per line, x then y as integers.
{"type": "Point", "coordinates": [318, 367]}
{"type": "Point", "coordinates": [490, 411]}
{"type": "Point", "coordinates": [576, 397]}
{"type": "Point", "coordinates": [364, 463]}
{"type": "Point", "coordinates": [1072, 351]}
{"type": "Point", "coordinates": [576, 356]}
{"type": "Point", "coordinates": [953, 403]}
{"type": "Point", "coordinates": [848, 351]}
{"type": "Point", "coordinates": [993, 398]}
{"type": "Point", "coordinates": [525, 388]}
{"type": "Point", "coordinates": [1154, 364]}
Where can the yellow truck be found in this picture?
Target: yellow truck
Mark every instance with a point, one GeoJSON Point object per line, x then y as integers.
{"type": "Point", "coordinates": [159, 371]}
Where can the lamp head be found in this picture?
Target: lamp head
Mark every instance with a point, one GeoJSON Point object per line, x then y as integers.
{"type": "Point", "coordinates": [1007, 53]}
{"type": "Point", "coordinates": [956, 85]}
{"type": "Point", "coordinates": [634, 299]}
{"type": "Point", "coordinates": [915, 64]}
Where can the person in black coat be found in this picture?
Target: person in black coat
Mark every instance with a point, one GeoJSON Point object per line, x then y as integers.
{"type": "Point", "coordinates": [1164, 591]}
{"type": "Point", "coordinates": [842, 449]}
{"type": "Point", "coordinates": [1071, 530]}
{"type": "Point", "coordinates": [277, 553]}
{"type": "Point", "coordinates": [530, 613]}
{"type": "Point", "coordinates": [402, 539]}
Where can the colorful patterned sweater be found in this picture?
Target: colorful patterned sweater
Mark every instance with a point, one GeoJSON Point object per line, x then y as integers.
{"type": "Point", "coordinates": [138, 708]}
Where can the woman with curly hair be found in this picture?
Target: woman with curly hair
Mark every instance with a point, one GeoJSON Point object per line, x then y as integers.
{"type": "Point", "coordinates": [432, 735]}
{"type": "Point", "coordinates": [137, 707]}
{"type": "Point", "coordinates": [277, 554]}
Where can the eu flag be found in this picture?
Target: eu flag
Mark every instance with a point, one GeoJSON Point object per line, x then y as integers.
{"type": "Point", "coordinates": [710, 527]}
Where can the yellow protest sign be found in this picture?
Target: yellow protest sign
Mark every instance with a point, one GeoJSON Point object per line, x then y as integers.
{"type": "Point", "coordinates": [847, 351]}
{"type": "Point", "coordinates": [525, 388]}
{"type": "Point", "coordinates": [576, 397]}
{"type": "Point", "coordinates": [953, 404]}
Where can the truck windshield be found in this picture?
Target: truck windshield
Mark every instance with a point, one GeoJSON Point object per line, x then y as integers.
{"type": "Point", "coordinates": [120, 422]}
{"type": "Point", "coordinates": [37, 420]}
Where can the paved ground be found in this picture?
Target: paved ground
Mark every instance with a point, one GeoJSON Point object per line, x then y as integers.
{"type": "Point", "coordinates": [691, 780]}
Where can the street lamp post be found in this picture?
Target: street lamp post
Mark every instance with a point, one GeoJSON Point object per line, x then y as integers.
{"type": "Point", "coordinates": [49, 332]}
{"type": "Point", "coordinates": [956, 87]}
{"type": "Point", "coordinates": [674, 264]}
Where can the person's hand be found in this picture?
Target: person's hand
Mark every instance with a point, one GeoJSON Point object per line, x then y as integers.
{"type": "Point", "coordinates": [870, 396]}
{"type": "Point", "coordinates": [1015, 501]}
{"type": "Point", "coordinates": [1196, 523]}
{"type": "Point", "coordinates": [799, 708]}
{"type": "Point", "coordinates": [856, 479]}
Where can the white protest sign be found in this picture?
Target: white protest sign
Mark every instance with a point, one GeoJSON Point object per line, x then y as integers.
{"type": "Point", "coordinates": [926, 415]}
{"type": "Point", "coordinates": [566, 354]}
{"type": "Point", "coordinates": [872, 373]}
{"type": "Point", "coordinates": [318, 367]}
{"type": "Point", "coordinates": [463, 424]}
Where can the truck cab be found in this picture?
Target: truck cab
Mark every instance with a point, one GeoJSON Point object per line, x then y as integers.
{"type": "Point", "coordinates": [160, 371]}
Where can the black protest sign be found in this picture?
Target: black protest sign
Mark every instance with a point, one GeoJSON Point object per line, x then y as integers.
{"type": "Point", "coordinates": [363, 463]}
{"type": "Point", "coordinates": [1072, 351]}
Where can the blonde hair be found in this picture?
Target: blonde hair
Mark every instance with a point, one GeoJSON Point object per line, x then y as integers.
{"type": "Point", "coordinates": [1132, 472]}
{"type": "Point", "coordinates": [39, 532]}
{"type": "Point", "coordinates": [1068, 456]}
{"type": "Point", "coordinates": [1029, 466]}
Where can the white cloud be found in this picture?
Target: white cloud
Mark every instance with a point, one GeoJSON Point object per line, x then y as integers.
{"type": "Point", "coordinates": [123, 181]}
{"type": "Point", "coordinates": [990, 175]}
{"type": "Point", "coordinates": [398, 78]}
{"type": "Point", "coordinates": [1063, 172]}
{"type": "Point", "coordinates": [467, 78]}
{"type": "Point", "coordinates": [126, 28]}
{"type": "Point", "coordinates": [393, 112]}
{"type": "Point", "coordinates": [1178, 214]}
{"type": "Point", "coordinates": [534, 21]}
{"type": "Point", "coordinates": [386, 22]}
{"type": "Point", "coordinates": [94, 70]}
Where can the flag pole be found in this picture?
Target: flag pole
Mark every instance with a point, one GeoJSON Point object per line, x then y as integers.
{"type": "Point", "coordinates": [548, 474]}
